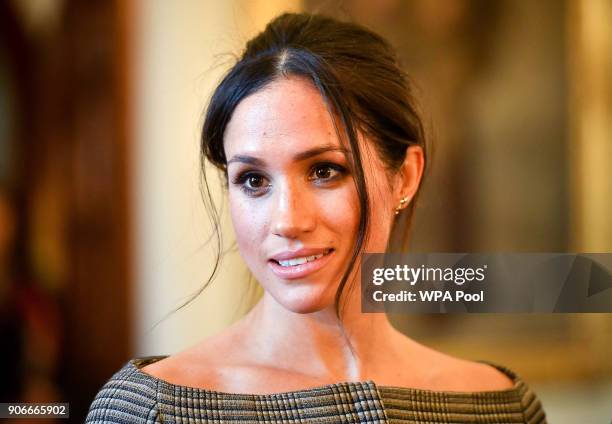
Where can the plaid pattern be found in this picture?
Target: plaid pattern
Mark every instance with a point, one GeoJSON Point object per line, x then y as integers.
{"type": "Point", "coordinates": [517, 405]}
{"type": "Point", "coordinates": [132, 396]}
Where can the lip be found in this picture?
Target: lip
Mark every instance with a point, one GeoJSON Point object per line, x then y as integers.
{"type": "Point", "coordinates": [305, 251]}
{"type": "Point", "coordinates": [299, 271]}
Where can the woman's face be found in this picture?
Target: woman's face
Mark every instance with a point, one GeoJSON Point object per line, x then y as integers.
{"type": "Point", "coordinates": [293, 201]}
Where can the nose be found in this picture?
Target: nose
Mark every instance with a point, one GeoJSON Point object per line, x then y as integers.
{"type": "Point", "coordinates": [293, 213]}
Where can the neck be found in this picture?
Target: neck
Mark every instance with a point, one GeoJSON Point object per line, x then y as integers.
{"type": "Point", "coordinates": [317, 344]}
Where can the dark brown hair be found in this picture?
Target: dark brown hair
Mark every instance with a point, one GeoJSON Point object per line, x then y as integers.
{"type": "Point", "coordinates": [358, 75]}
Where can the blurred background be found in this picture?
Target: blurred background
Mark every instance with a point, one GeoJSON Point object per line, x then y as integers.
{"type": "Point", "coordinates": [102, 229]}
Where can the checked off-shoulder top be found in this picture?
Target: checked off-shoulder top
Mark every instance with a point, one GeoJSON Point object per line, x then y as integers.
{"type": "Point", "coordinates": [132, 396]}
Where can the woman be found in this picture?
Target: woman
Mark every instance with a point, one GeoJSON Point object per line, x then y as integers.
{"type": "Point", "coordinates": [322, 150]}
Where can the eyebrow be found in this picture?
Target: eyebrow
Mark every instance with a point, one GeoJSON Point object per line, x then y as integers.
{"type": "Point", "coordinates": [306, 154]}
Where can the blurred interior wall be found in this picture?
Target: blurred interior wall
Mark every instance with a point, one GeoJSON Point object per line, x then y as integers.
{"type": "Point", "coordinates": [590, 68]}
{"type": "Point", "coordinates": [64, 182]}
{"type": "Point", "coordinates": [180, 53]}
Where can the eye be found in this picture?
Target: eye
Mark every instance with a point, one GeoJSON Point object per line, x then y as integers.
{"type": "Point", "coordinates": [252, 183]}
{"type": "Point", "coordinates": [323, 172]}
{"type": "Point", "coordinates": [327, 172]}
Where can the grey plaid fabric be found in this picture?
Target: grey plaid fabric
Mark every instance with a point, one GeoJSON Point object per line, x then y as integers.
{"type": "Point", "coordinates": [516, 405]}
{"type": "Point", "coordinates": [132, 396]}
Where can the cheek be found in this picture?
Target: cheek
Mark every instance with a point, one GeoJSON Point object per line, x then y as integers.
{"type": "Point", "coordinates": [379, 236]}
{"type": "Point", "coordinates": [381, 220]}
{"type": "Point", "coordinates": [249, 225]}
{"type": "Point", "coordinates": [339, 210]}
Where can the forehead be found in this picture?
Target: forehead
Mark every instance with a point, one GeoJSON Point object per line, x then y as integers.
{"type": "Point", "coordinates": [287, 114]}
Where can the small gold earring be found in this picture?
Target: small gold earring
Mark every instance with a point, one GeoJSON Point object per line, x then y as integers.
{"type": "Point", "coordinates": [401, 205]}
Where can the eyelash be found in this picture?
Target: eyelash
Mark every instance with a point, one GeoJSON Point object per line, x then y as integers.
{"type": "Point", "coordinates": [241, 179]}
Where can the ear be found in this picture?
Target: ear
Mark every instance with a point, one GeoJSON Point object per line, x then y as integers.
{"type": "Point", "coordinates": [409, 176]}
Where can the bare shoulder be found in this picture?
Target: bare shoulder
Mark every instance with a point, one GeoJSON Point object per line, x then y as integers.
{"type": "Point", "coordinates": [483, 377]}
{"type": "Point", "coordinates": [449, 373]}
{"type": "Point", "coordinates": [183, 370]}
{"type": "Point", "coordinates": [201, 366]}
{"type": "Point", "coordinates": [463, 375]}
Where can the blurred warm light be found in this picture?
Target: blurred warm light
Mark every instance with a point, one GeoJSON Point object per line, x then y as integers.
{"type": "Point", "coordinates": [590, 111]}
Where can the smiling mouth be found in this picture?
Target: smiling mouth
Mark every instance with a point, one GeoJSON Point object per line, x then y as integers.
{"type": "Point", "coordinates": [287, 263]}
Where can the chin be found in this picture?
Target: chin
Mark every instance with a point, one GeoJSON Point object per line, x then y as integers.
{"type": "Point", "coordinates": [305, 303]}
{"type": "Point", "coordinates": [306, 308]}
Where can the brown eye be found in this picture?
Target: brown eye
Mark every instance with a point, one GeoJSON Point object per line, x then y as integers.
{"type": "Point", "coordinates": [255, 181]}
{"type": "Point", "coordinates": [326, 172]}
{"type": "Point", "coordinates": [323, 172]}
{"type": "Point", "coordinates": [253, 184]}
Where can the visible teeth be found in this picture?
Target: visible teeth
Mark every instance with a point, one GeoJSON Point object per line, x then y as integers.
{"type": "Point", "coordinates": [300, 261]}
